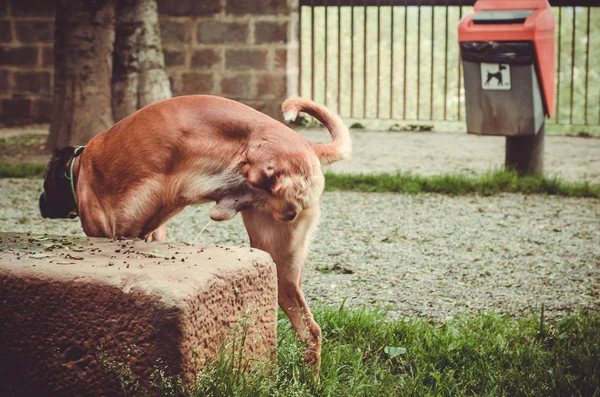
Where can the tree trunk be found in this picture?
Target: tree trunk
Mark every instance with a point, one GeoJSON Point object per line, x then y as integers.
{"type": "Point", "coordinates": [83, 64]}
{"type": "Point", "coordinates": [139, 76]}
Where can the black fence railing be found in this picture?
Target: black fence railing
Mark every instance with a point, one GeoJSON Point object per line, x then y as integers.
{"type": "Point", "coordinates": [399, 59]}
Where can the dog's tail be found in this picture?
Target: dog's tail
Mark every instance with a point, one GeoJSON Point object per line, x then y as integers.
{"type": "Point", "coordinates": [340, 147]}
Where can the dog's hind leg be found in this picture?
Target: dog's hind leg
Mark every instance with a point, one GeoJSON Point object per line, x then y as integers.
{"type": "Point", "coordinates": [288, 245]}
{"type": "Point", "coordinates": [158, 235]}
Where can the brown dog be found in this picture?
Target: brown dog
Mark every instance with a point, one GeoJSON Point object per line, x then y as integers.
{"type": "Point", "coordinates": [131, 179]}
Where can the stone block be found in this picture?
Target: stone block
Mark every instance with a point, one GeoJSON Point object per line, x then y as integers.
{"type": "Point", "coordinates": [246, 59]}
{"type": "Point", "coordinates": [237, 86]}
{"type": "Point", "coordinates": [43, 110]}
{"type": "Point", "coordinates": [175, 31]}
{"type": "Point", "coordinates": [217, 32]}
{"type": "Point", "coordinates": [48, 57]}
{"type": "Point", "coordinates": [271, 86]}
{"type": "Point", "coordinates": [196, 83]}
{"type": "Point", "coordinates": [33, 82]}
{"type": "Point", "coordinates": [257, 7]}
{"type": "Point", "coordinates": [205, 59]}
{"type": "Point", "coordinates": [35, 31]}
{"type": "Point", "coordinates": [83, 317]}
{"type": "Point", "coordinates": [174, 57]}
{"type": "Point", "coordinates": [33, 8]}
{"type": "Point", "coordinates": [18, 56]}
{"type": "Point", "coordinates": [270, 32]}
{"type": "Point", "coordinates": [268, 107]}
{"type": "Point", "coordinates": [3, 8]}
{"type": "Point", "coordinates": [280, 60]}
{"type": "Point", "coordinates": [189, 8]}
{"type": "Point", "coordinates": [15, 111]}
{"type": "Point", "coordinates": [4, 84]}
{"type": "Point", "coordinates": [5, 32]}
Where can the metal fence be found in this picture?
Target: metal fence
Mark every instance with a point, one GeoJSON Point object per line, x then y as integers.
{"type": "Point", "coordinates": [399, 59]}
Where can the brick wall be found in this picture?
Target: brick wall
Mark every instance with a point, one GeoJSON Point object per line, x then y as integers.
{"type": "Point", "coordinates": [26, 60]}
{"type": "Point", "coordinates": [240, 49]}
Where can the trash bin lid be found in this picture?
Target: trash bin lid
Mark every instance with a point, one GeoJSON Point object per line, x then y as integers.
{"type": "Point", "coordinates": [501, 17]}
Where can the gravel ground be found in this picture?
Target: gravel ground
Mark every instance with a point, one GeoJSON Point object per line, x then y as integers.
{"type": "Point", "coordinates": [447, 152]}
{"type": "Point", "coordinates": [428, 255]}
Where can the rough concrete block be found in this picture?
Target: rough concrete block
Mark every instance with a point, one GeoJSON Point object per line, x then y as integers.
{"type": "Point", "coordinates": [82, 317]}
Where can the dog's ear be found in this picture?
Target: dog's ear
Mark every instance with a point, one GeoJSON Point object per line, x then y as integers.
{"type": "Point", "coordinates": [58, 162]}
{"type": "Point", "coordinates": [262, 177]}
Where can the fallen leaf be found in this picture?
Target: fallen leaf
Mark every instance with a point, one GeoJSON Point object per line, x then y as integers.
{"type": "Point", "coordinates": [394, 351]}
{"type": "Point", "coordinates": [156, 254]}
{"type": "Point", "coordinates": [344, 269]}
{"type": "Point", "coordinates": [39, 256]}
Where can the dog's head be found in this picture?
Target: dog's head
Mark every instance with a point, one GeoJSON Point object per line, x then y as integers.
{"type": "Point", "coordinates": [57, 199]}
{"type": "Point", "coordinates": [292, 178]}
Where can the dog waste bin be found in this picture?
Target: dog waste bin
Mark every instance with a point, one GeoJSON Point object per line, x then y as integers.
{"type": "Point", "coordinates": [507, 52]}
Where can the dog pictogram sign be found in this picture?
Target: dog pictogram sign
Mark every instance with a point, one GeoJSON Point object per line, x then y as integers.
{"type": "Point", "coordinates": [495, 76]}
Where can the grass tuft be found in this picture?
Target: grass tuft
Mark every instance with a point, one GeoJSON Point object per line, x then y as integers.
{"type": "Point", "coordinates": [366, 354]}
{"type": "Point", "coordinates": [24, 170]}
{"type": "Point", "coordinates": [486, 184]}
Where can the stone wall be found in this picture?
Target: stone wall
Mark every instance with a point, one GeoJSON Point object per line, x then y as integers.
{"type": "Point", "coordinates": [26, 61]}
{"type": "Point", "coordinates": [241, 49]}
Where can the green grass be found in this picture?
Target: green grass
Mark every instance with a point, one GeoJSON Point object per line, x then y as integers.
{"type": "Point", "coordinates": [22, 140]}
{"type": "Point", "coordinates": [489, 183]}
{"type": "Point", "coordinates": [365, 354]}
{"type": "Point", "coordinates": [24, 170]}
{"type": "Point", "coordinates": [486, 184]}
